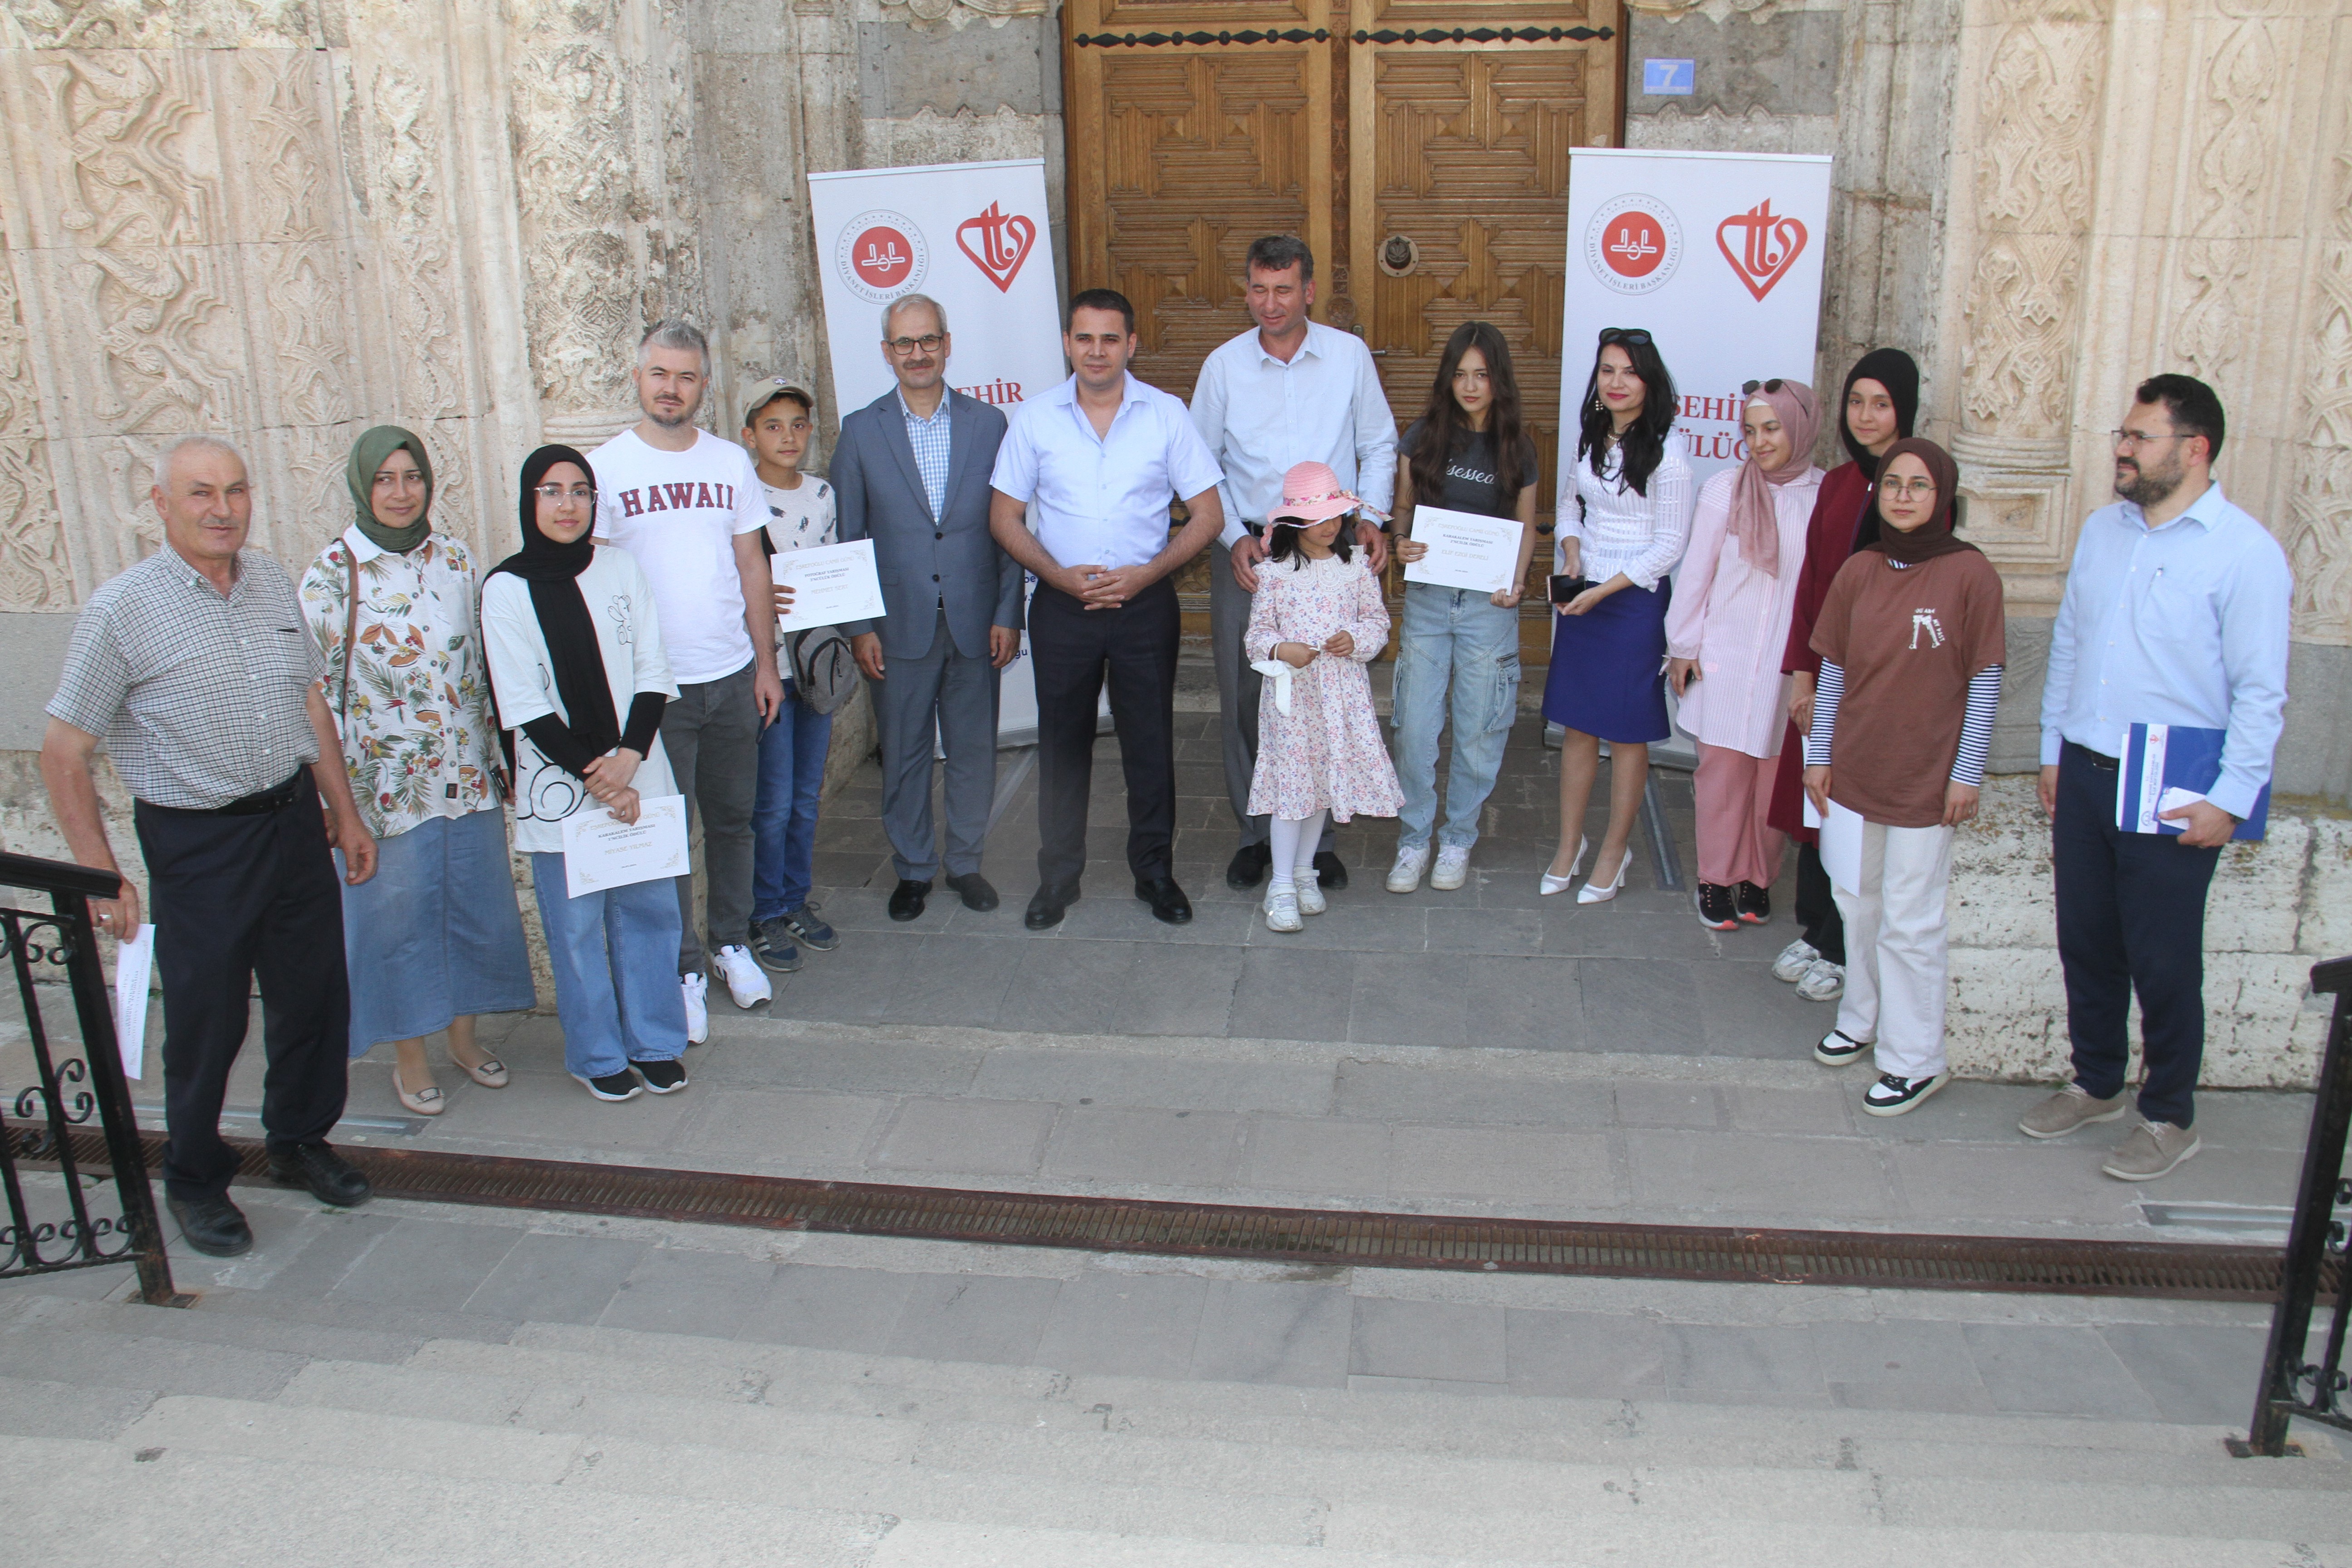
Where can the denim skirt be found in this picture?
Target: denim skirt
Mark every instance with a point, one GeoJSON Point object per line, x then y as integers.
{"type": "Point", "coordinates": [436, 934]}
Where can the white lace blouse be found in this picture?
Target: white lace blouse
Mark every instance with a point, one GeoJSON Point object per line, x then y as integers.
{"type": "Point", "coordinates": [1622, 530]}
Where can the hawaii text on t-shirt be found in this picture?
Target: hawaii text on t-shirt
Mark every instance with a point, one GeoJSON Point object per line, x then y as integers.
{"type": "Point", "coordinates": [679, 513]}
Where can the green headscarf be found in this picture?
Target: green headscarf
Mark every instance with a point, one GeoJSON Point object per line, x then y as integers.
{"type": "Point", "coordinates": [368, 454]}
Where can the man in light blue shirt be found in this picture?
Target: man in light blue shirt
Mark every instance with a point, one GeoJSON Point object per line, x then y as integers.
{"type": "Point", "coordinates": [2174, 612]}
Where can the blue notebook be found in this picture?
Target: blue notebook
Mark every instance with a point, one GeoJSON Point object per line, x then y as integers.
{"type": "Point", "coordinates": [2161, 758]}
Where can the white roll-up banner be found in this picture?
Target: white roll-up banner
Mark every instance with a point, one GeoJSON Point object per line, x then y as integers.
{"type": "Point", "coordinates": [1719, 256]}
{"type": "Point", "coordinates": [972, 237]}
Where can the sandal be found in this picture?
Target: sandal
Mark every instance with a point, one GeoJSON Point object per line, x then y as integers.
{"type": "Point", "coordinates": [491, 1073]}
{"type": "Point", "coordinates": [426, 1101]}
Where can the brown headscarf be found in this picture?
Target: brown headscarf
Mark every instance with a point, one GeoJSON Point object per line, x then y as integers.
{"type": "Point", "coordinates": [1753, 522]}
{"type": "Point", "coordinates": [1934, 536]}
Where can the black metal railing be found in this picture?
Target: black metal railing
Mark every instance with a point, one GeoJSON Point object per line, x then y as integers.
{"type": "Point", "coordinates": [2293, 1388]}
{"type": "Point", "coordinates": [46, 1230]}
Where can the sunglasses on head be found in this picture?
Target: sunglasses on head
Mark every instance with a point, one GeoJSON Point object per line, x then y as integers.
{"type": "Point", "coordinates": [1634, 335]}
{"type": "Point", "coordinates": [1750, 388]}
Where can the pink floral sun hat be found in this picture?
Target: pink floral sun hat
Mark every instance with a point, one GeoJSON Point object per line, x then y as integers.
{"type": "Point", "coordinates": [1311, 492]}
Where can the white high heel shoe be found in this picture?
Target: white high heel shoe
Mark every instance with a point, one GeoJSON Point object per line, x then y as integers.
{"type": "Point", "coordinates": [1551, 884]}
{"type": "Point", "coordinates": [1592, 892]}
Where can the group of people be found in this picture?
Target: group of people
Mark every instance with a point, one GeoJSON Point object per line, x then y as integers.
{"type": "Point", "coordinates": [1835, 647]}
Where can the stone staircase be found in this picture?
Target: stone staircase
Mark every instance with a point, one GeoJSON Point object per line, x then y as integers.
{"type": "Point", "coordinates": [264, 1427]}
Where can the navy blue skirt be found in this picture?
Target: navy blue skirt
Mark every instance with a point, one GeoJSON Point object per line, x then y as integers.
{"type": "Point", "coordinates": [1606, 676]}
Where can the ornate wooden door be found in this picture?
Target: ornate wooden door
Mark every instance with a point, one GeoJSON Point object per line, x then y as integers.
{"type": "Point", "coordinates": [1419, 146]}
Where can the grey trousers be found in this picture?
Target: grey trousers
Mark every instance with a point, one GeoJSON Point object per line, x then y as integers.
{"type": "Point", "coordinates": [1237, 691]}
{"type": "Point", "coordinates": [712, 734]}
{"type": "Point", "coordinates": [960, 694]}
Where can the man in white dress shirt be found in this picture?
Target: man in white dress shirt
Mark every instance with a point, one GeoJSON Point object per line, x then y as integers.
{"type": "Point", "coordinates": [1288, 391]}
{"type": "Point", "coordinates": [1101, 456]}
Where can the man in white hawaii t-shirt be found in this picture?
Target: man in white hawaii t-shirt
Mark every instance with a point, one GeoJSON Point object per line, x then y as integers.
{"type": "Point", "coordinates": [688, 505]}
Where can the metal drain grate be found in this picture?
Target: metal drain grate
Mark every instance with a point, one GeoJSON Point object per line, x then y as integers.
{"type": "Point", "coordinates": [1299, 1236]}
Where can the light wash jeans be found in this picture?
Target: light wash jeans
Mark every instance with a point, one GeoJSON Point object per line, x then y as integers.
{"type": "Point", "coordinates": [616, 991]}
{"type": "Point", "coordinates": [1453, 638]}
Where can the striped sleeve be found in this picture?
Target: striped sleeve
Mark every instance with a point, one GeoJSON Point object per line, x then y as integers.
{"type": "Point", "coordinates": [1976, 728]}
{"type": "Point", "coordinates": [1827, 691]}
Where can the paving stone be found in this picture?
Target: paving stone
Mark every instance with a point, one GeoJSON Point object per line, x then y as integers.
{"type": "Point", "coordinates": [1651, 1103]}
{"type": "Point", "coordinates": [2193, 1372]}
{"type": "Point", "coordinates": [1066, 987]}
{"type": "Point", "coordinates": [805, 1128]}
{"type": "Point", "coordinates": [1823, 1110]}
{"type": "Point", "coordinates": [1281, 997]}
{"type": "Point", "coordinates": [1124, 1325]}
{"type": "Point", "coordinates": [1389, 1091]}
{"type": "Point", "coordinates": [434, 1264]}
{"type": "Point", "coordinates": [1646, 1006]}
{"type": "Point", "coordinates": [158, 1366]}
{"type": "Point", "coordinates": [557, 1279]}
{"type": "Point", "coordinates": [1404, 998]}
{"type": "Point", "coordinates": [1181, 989]}
{"type": "Point", "coordinates": [36, 1407]}
{"type": "Point", "coordinates": [1274, 1331]}
{"type": "Point", "coordinates": [2055, 1370]}
{"type": "Point", "coordinates": [1740, 1358]}
{"type": "Point", "coordinates": [1582, 1355]}
{"type": "Point", "coordinates": [1500, 932]}
{"type": "Point", "coordinates": [974, 1317]}
{"type": "Point", "coordinates": [673, 1290]}
{"type": "Point", "coordinates": [1504, 1164]}
{"type": "Point", "coordinates": [1455, 1342]}
{"type": "Point", "coordinates": [1909, 1351]}
{"type": "Point", "coordinates": [1751, 1174]}
{"type": "Point", "coordinates": [828, 1309]}
{"type": "Point", "coordinates": [2025, 1179]}
{"type": "Point", "coordinates": [982, 1137]}
{"type": "Point", "coordinates": [409, 1390]}
{"type": "Point", "coordinates": [1324, 1157]}
{"type": "Point", "coordinates": [1165, 1148]}
{"type": "Point", "coordinates": [863, 1066]}
{"type": "Point", "coordinates": [947, 980]}
{"type": "Point", "coordinates": [393, 1442]}
{"type": "Point", "coordinates": [1353, 922]}
{"type": "Point", "coordinates": [1523, 1003]}
{"type": "Point", "coordinates": [336, 1243]}
{"type": "Point", "coordinates": [1135, 1079]}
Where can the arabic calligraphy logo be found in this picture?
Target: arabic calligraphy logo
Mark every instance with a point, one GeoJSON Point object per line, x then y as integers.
{"type": "Point", "coordinates": [1632, 244]}
{"type": "Point", "coordinates": [1771, 247]}
{"type": "Point", "coordinates": [882, 255]}
{"type": "Point", "coordinates": [1005, 244]}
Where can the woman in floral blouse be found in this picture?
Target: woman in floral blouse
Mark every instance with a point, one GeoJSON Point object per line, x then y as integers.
{"type": "Point", "coordinates": [435, 936]}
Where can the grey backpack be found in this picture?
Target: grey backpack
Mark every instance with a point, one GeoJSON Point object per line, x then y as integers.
{"type": "Point", "coordinates": [823, 672]}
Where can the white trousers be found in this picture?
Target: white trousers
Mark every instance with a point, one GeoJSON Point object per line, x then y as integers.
{"type": "Point", "coordinates": [1898, 948]}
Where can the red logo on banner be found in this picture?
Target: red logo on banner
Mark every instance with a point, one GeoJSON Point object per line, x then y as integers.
{"type": "Point", "coordinates": [1005, 244]}
{"type": "Point", "coordinates": [881, 256]}
{"type": "Point", "coordinates": [1768, 248]}
{"type": "Point", "coordinates": [1634, 244]}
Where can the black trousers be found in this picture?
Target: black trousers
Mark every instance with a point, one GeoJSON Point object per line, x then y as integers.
{"type": "Point", "coordinates": [2131, 917]}
{"type": "Point", "coordinates": [1817, 908]}
{"type": "Point", "coordinates": [233, 898]}
{"type": "Point", "coordinates": [1072, 649]}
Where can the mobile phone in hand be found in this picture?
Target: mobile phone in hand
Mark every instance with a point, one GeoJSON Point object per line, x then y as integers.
{"type": "Point", "coordinates": [1564, 588]}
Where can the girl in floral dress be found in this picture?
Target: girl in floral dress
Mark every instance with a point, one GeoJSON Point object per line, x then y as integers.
{"type": "Point", "coordinates": [1316, 620]}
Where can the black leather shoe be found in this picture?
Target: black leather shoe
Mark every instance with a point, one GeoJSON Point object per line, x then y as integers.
{"type": "Point", "coordinates": [330, 1178]}
{"type": "Point", "coordinates": [1167, 900]}
{"type": "Point", "coordinates": [1330, 872]}
{"type": "Point", "coordinates": [973, 889]}
{"type": "Point", "coordinates": [906, 901]}
{"type": "Point", "coordinates": [1247, 867]}
{"type": "Point", "coordinates": [1047, 910]}
{"type": "Point", "coordinates": [214, 1225]}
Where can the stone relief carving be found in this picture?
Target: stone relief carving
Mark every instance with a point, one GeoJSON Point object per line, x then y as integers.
{"type": "Point", "coordinates": [2317, 529]}
{"type": "Point", "coordinates": [939, 10]}
{"type": "Point", "coordinates": [2240, 148]}
{"type": "Point", "coordinates": [34, 572]}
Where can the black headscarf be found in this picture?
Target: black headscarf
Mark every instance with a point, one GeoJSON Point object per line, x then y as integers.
{"type": "Point", "coordinates": [1933, 537]}
{"type": "Point", "coordinates": [552, 570]}
{"type": "Point", "coordinates": [1899, 373]}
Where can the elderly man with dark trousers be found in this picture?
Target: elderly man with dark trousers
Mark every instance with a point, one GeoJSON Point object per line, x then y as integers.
{"type": "Point", "coordinates": [1288, 391]}
{"type": "Point", "coordinates": [1100, 457]}
{"type": "Point", "coordinates": [2174, 612]}
{"type": "Point", "coordinates": [197, 668]}
{"type": "Point", "coordinates": [912, 473]}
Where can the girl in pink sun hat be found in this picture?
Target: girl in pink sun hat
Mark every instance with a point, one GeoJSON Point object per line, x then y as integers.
{"type": "Point", "coordinates": [1317, 621]}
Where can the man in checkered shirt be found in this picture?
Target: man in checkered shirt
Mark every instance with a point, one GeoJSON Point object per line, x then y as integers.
{"type": "Point", "coordinates": [195, 667]}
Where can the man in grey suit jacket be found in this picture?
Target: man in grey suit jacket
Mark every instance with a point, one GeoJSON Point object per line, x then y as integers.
{"type": "Point", "coordinates": [911, 472]}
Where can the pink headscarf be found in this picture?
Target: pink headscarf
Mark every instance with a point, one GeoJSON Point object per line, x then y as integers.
{"type": "Point", "coordinates": [1752, 520]}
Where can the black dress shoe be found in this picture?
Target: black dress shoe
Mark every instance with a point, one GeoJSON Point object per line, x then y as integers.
{"type": "Point", "coordinates": [906, 900]}
{"type": "Point", "coordinates": [973, 889]}
{"type": "Point", "coordinates": [330, 1178]}
{"type": "Point", "coordinates": [1330, 872]}
{"type": "Point", "coordinates": [1167, 900]}
{"type": "Point", "coordinates": [1047, 910]}
{"type": "Point", "coordinates": [213, 1225]}
{"type": "Point", "coordinates": [1248, 865]}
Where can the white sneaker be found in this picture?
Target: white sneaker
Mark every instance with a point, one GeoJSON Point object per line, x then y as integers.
{"type": "Point", "coordinates": [746, 980]}
{"type": "Point", "coordinates": [1794, 959]}
{"type": "Point", "coordinates": [1404, 876]}
{"type": "Point", "coordinates": [1309, 889]}
{"type": "Point", "coordinates": [1453, 868]}
{"type": "Point", "coordinates": [1282, 910]}
{"type": "Point", "coordinates": [1823, 981]}
{"type": "Point", "coordinates": [697, 1008]}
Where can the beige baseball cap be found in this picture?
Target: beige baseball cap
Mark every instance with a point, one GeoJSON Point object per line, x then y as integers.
{"type": "Point", "coordinates": [763, 391]}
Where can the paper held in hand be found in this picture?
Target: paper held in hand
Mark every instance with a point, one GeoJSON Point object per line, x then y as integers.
{"type": "Point", "coordinates": [134, 966]}
{"type": "Point", "coordinates": [1465, 550]}
{"type": "Point", "coordinates": [600, 852]}
{"type": "Point", "coordinates": [830, 582]}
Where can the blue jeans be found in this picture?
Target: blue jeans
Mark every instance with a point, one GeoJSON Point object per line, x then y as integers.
{"type": "Point", "coordinates": [784, 822]}
{"type": "Point", "coordinates": [613, 953]}
{"type": "Point", "coordinates": [1455, 637]}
